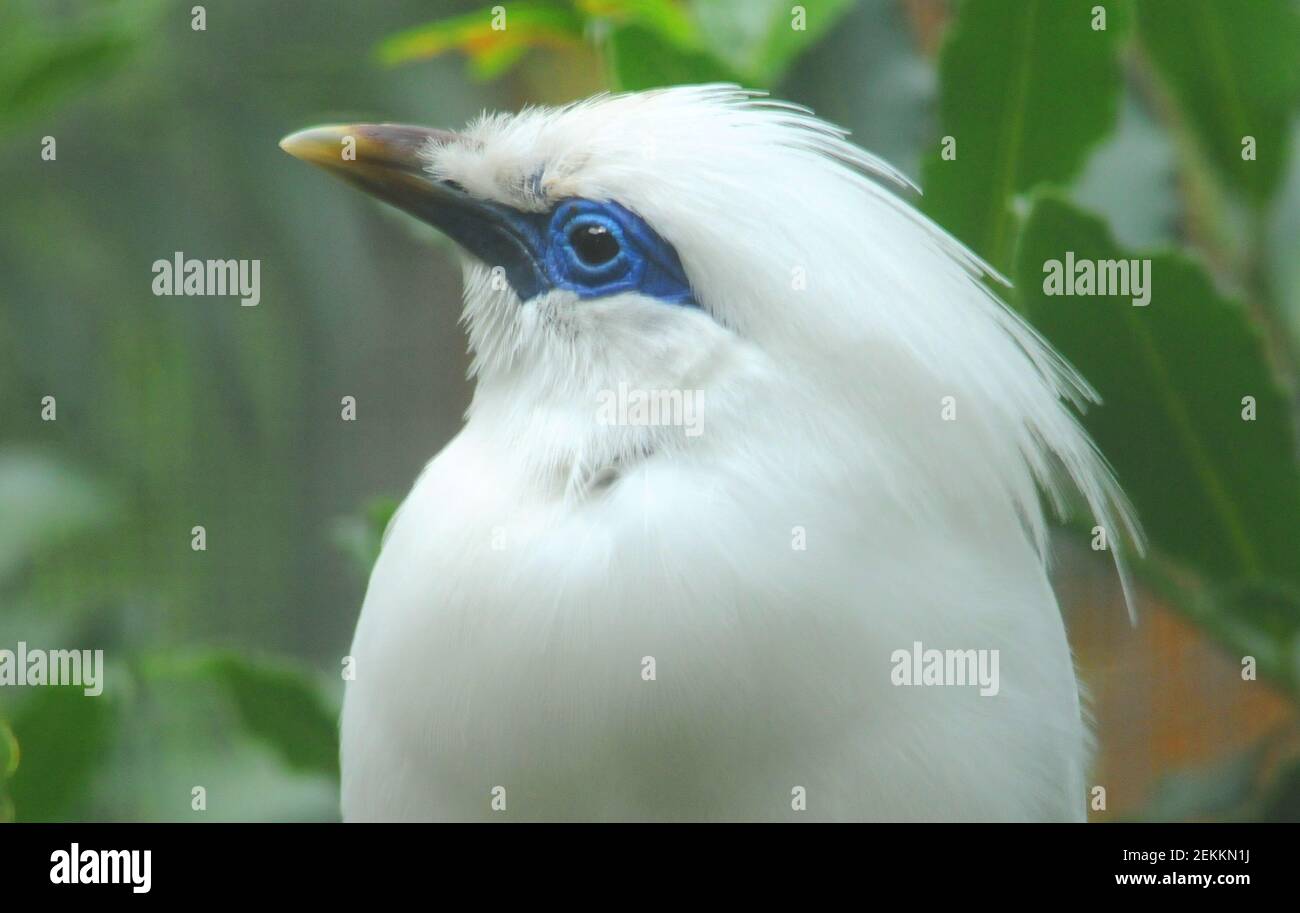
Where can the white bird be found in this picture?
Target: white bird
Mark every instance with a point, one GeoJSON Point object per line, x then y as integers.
{"type": "Point", "coordinates": [583, 612]}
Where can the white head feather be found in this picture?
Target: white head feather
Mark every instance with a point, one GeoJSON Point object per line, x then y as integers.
{"type": "Point", "coordinates": [832, 309]}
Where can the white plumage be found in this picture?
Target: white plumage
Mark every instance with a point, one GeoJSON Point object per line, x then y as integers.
{"type": "Point", "coordinates": [542, 556]}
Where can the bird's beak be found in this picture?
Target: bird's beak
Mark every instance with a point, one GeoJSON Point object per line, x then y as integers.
{"type": "Point", "coordinates": [389, 161]}
{"type": "Point", "coordinates": [382, 159]}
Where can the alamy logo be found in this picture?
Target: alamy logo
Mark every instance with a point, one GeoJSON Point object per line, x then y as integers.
{"type": "Point", "coordinates": [1109, 278]}
{"type": "Point", "coordinates": [957, 668]}
{"type": "Point", "coordinates": [78, 866]}
{"type": "Point", "coordinates": [25, 667]}
{"type": "Point", "coordinates": [200, 278]}
{"type": "Point", "coordinates": [631, 406]}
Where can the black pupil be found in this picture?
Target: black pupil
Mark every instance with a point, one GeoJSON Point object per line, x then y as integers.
{"type": "Point", "coordinates": [594, 244]}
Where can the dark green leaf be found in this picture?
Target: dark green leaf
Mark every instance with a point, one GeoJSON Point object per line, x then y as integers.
{"type": "Point", "coordinates": [1248, 786]}
{"type": "Point", "coordinates": [759, 39]}
{"type": "Point", "coordinates": [491, 50]}
{"type": "Point", "coordinates": [1026, 89]}
{"type": "Point", "coordinates": [63, 735]}
{"type": "Point", "coordinates": [669, 19]}
{"type": "Point", "coordinates": [9, 753]}
{"type": "Point", "coordinates": [1211, 793]}
{"type": "Point", "coordinates": [1212, 490]}
{"type": "Point", "coordinates": [9, 758]}
{"type": "Point", "coordinates": [1282, 802]}
{"type": "Point", "coordinates": [278, 704]}
{"type": "Point", "coordinates": [361, 536]}
{"type": "Point", "coordinates": [40, 67]}
{"type": "Point", "coordinates": [642, 59]}
{"type": "Point", "coordinates": [43, 501]}
{"type": "Point", "coordinates": [1256, 618]}
{"type": "Point", "coordinates": [1233, 68]}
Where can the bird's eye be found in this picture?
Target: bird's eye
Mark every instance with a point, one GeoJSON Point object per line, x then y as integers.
{"type": "Point", "coordinates": [594, 244]}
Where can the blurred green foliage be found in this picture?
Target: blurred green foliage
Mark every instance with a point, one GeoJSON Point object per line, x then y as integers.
{"type": "Point", "coordinates": [646, 43]}
{"type": "Point", "coordinates": [64, 738]}
{"type": "Point", "coordinates": [44, 64]}
{"type": "Point", "coordinates": [361, 535]}
{"type": "Point", "coordinates": [224, 664]}
{"type": "Point", "coordinates": [1173, 377]}
{"type": "Point", "coordinates": [1046, 97]}
{"type": "Point", "coordinates": [1239, 787]}
{"type": "Point", "coordinates": [492, 51]}
{"type": "Point", "coordinates": [1232, 69]}
{"type": "Point", "coordinates": [1175, 381]}
{"type": "Point", "coordinates": [276, 703]}
{"type": "Point", "coordinates": [45, 501]}
{"type": "Point", "coordinates": [10, 755]}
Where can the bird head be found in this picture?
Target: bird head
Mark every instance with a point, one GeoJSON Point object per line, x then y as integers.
{"type": "Point", "coordinates": [705, 238]}
{"type": "Point", "coordinates": [642, 242]}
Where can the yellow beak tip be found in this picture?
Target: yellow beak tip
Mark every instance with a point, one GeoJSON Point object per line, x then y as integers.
{"type": "Point", "coordinates": [315, 144]}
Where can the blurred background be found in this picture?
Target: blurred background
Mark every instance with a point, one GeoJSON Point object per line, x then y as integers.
{"type": "Point", "coordinates": [1149, 128]}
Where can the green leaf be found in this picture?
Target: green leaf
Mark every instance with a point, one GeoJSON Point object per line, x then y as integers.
{"type": "Point", "coordinates": [641, 59]}
{"type": "Point", "coordinates": [1282, 802]}
{"type": "Point", "coordinates": [41, 67]}
{"type": "Point", "coordinates": [9, 752]}
{"type": "Point", "coordinates": [491, 50]}
{"type": "Point", "coordinates": [1212, 490]}
{"type": "Point", "coordinates": [650, 43]}
{"type": "Point", "coordinates": [759, 39]}
{"type": "Point", "coordinates": [1249, 786]}
{"type": "Point", "coordinates": [361, 536]}
{"type": "Point", "coordinates": [784, 43]}
{"type": "Point", "coordinates": [1259, 619]}
{"type": "Point", "coordinates": [1213, 792]}
{"type": "Point", "coordinates": [277, 703]}
{"type": "Point", "coordinates": [1233, 70]}
{"type": "Point", "coordinates": [9, 758]}
{"type": "Point", "coordinates": [44, 501]}
{"type": "Point", "coordinates": [65, 736]}
{"type": "Point", "coordinates": [668, 19]}
{"type": "Point", "coordinates": [1026, 90]}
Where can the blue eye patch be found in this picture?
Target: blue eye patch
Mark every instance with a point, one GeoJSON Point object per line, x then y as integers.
{"type": "Point", "coordinates": [591, 248]}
